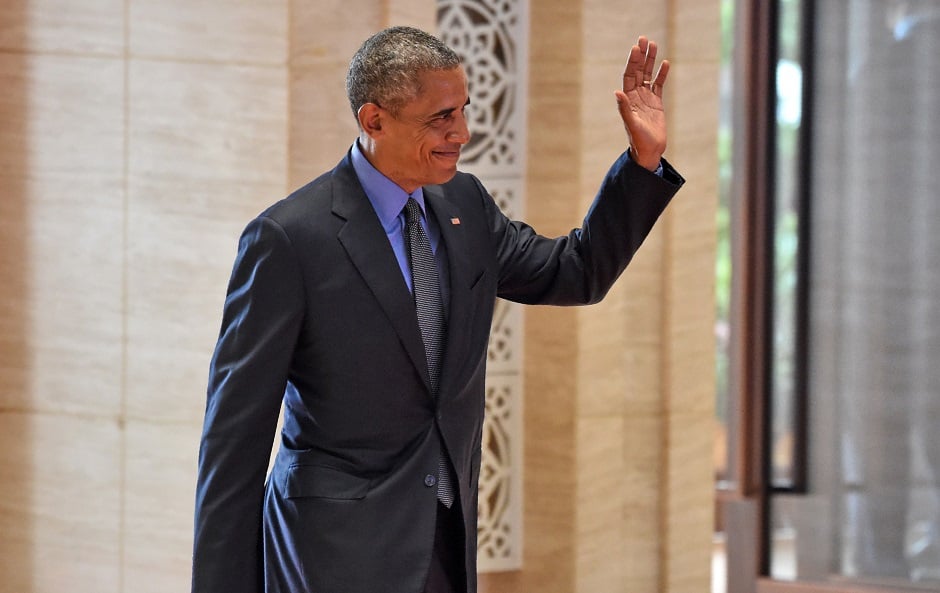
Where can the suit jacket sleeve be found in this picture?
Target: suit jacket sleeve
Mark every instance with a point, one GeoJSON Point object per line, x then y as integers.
{"type": "Point", "coordinates": [247, 377]}
{"type": "Point", "coordinates": [581, 267]}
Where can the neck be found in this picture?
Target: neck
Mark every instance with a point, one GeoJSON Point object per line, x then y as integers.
{"type": "Point", "coordinates": [369, 150]}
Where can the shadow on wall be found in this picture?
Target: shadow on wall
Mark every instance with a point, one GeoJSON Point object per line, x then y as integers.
{"type": "Point", "coordinates": [15, 422]}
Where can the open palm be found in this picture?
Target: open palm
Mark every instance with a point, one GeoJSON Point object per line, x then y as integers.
{"type": "Point", "coordinates": [641, 104]}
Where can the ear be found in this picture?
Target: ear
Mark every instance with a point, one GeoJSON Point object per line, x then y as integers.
{"type": "Point", "coordinates": [370, 119]}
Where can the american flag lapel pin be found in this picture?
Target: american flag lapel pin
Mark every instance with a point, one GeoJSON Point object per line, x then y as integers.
{"type": "Point", "coordinates": [455, 220]}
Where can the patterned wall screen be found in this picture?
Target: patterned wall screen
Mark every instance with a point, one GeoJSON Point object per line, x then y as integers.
{"type": "Point", "coordinates": [491, 37]}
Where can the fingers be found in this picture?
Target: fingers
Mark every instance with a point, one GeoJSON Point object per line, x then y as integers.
{"type": "Point", "coordinates": [660, 81]}
{"type": "Point", "coordinates": [633, 71]}
{"type": "Point", "coordinates": [649, 63]}
{"type": "Point", "coordinates": [639, 69]}
{"type": "Point", "coordinates": [643, 44]}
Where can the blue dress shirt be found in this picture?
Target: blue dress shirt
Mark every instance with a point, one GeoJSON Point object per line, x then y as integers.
{"type": "Point", "coordinates": [389, 200]}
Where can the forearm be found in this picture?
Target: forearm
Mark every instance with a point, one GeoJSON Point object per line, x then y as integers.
{"type": "Point", "coordinates": [581, 267]}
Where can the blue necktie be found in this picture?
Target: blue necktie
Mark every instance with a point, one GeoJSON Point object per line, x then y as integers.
{"type": "Point", "coordinates": [430, 309]}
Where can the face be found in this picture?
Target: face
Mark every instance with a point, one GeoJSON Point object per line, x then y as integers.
{"type": "Point", "coordinates": [421, 143]}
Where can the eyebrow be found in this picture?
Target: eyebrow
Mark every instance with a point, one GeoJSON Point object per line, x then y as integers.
{"type": "Point", "coordinates": [447, 111]}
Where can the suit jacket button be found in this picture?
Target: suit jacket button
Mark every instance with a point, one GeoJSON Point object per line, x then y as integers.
{"type": "Point", "coordinates": [430, 480]}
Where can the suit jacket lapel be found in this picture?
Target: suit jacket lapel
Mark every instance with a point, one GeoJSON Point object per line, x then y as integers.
{"type": "Point", "coordinates": [461, 271]}
{"type": "Point", "coordinates": [367, 245]}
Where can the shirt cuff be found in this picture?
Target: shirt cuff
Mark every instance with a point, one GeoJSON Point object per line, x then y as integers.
{"type": "Point", "coordinates": [659, 168]}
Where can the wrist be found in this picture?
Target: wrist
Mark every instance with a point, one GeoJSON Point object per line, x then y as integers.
{"type": "Point", "coordinates": [650, 164]}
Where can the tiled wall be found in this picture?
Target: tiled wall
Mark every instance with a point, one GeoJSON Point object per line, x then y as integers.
{"type": "Point", "coordinates": [138, 137]}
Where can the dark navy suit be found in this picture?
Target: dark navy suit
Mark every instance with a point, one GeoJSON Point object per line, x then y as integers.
{"type": "Point", "coordinates": [318, 316]}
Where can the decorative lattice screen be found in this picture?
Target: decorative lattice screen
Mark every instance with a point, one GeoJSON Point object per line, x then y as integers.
{"type": "Point", "coordinates": [491, 37]}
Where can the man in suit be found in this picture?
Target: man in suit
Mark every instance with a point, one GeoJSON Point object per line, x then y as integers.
{"type": "Point", "coordinates": [363, 302]}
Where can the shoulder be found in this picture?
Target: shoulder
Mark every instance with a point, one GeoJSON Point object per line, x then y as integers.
{"type": "Point", "coordinates": [464, 183]}
{"type": "Point", "coordinates": [308, 206]}
{"type": "Point", "coordinates": [466, 192]}
{"type": "Point", "coordinates": [302, 202]}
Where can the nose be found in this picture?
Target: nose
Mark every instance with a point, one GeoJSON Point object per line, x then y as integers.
{"type": "Point", "coordinates": [460, 132]}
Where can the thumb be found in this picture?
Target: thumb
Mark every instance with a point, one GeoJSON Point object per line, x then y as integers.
{"type": "Point", "coordinates": [621, 98]}
{"type": "Point", "coordinates": [623, 104]}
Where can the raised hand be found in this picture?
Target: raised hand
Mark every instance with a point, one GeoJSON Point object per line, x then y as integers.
{"type": "Point", "coordinates": [641, 104]}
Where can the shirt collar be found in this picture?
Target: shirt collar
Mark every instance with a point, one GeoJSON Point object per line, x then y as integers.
{"type": "Point", "coordinates": [387, 198]}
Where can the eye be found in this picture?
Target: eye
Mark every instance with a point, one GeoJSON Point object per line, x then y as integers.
{"type": "Point", "coordinates": [442, 119]}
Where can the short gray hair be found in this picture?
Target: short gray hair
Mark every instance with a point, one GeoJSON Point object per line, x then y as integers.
{"type": "Point", "coordinates": [386, 69]}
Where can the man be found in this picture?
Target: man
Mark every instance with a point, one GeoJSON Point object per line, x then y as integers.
{"type": "Point", "coordinates": [363, 302]}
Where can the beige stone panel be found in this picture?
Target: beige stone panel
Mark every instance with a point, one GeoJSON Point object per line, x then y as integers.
{"type": "Point", "coordinates": [331, 30]}
{"type": "Point", "coordinates": [61, 147]}
{"type": "Point", "coordinates": [690, 297]}
{"type": "Point", "coordinates": [549, 429]}
{"type": "Point", "coordinates": [553, 173]}
{"type": "Point", "coordinates": [207, 153]}
{"type": "Point", "coordinates": [602, 127]}
{"type": "Point", "coordinates": [415, 13]}
{"type": "Point", "coordinates": [689, 503]}
{"type": "Point", "coordinates": [603, 138]}
{"type": "Point", "coordinates": [341, 26]}
{"type": "Point", "coordinates": [240, 31]}
{"type": "Point", "coordinates": [322, 125]}
{"type": "Point", "coordinates": [689, 333]}
{"type": "Point", "coordinates": [641, 353]}
{"type": "Point", "coordinates": [620, 343]}
{"type": "Point", "coordinates": [609, 24]}
{"type": "Point", "coordinates": [604, 141]}
{"type": "Point", "coordinates": [601, 373]}
{"type": "Point", "coordinates": [553, 191]}
{"type": "Point", "coordinates": [643, 388]}
{"type": "Point", "coordinates": [601, 488]}
{"type": "Point", "coordinates": [692, 103]}
{"type": "Point", "coordinates": [696, 30]}
{"type": "Point", "coordinates": [209, 124]}
{"type": "Point", "coordinates": [503, 582]}
{"type": "Point", "coordinates": [610, 28]}
{"type": "Point", "coordinates": [159, 491]}
{"type": "Point", "coordinates": [629, 344]}
{"type": "Point", "coordinates": [625, 327]}
{"type": "Point", "coordinates": [74, 26]}
{"type": "Point", "coordinates": [563, 20]}
{"type": "Point", "coordinates": [551, 346]}
{"type": "Point", "coordinates": [610, 31]}
{"type": "Point", "coordinates": [643, 459]}
{"type": "Point", "coordinates": [59, 503]}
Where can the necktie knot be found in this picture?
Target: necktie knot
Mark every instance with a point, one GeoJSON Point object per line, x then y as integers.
{"type": "Point", "coordinates": [412, 211]}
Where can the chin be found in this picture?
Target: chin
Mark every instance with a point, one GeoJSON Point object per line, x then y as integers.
{"type": "Point", "coordinates": [445, 176]}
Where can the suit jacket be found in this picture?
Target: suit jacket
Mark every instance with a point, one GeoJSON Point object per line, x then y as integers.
{"type": "Point", "coordinates": [319, 317]}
